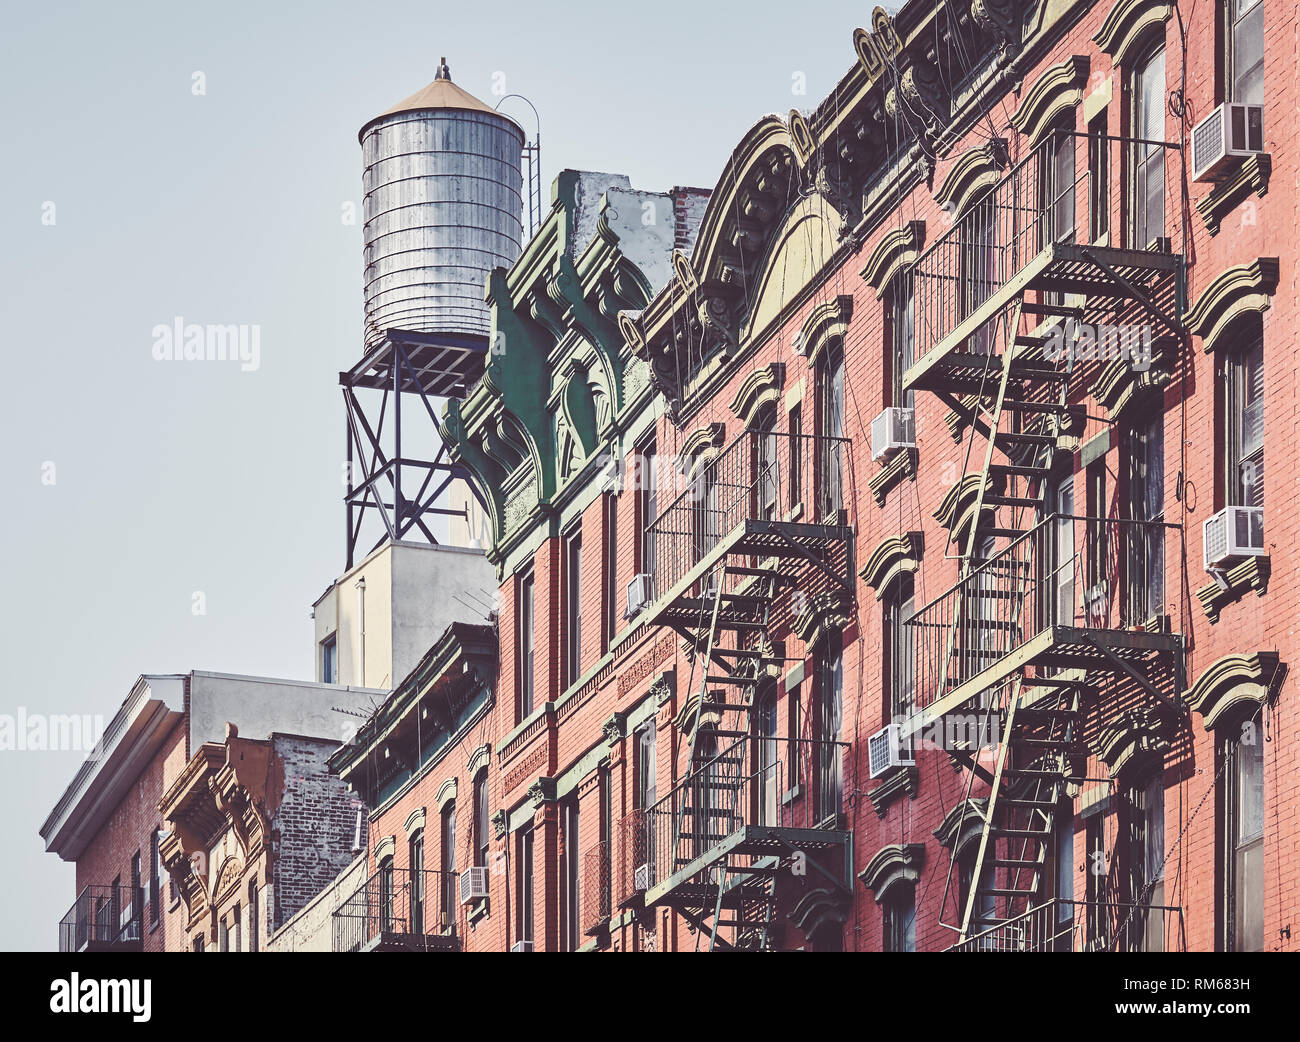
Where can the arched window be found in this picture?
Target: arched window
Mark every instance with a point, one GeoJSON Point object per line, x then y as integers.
{"type": "Point", "coordinates": [830, 428]}
{"type": "Point", "coordinates": [448, 861]}
{"type": "Point", "coordinates": [1147, 87]}
{"type": "Point", "coordinates": [898, 918]}
{"type": "Point", "coordinates": [415, 862]}
{"type": "Point", "coordinates": [1144, 805]}
{"type": "Point", "coordinates": [767, 766]}
{"type": "Point", "coordinates": [1244, 399]}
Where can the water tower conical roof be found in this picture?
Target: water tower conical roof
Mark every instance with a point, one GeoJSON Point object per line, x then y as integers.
{"type": "Point", "coordinates": [440, 94]}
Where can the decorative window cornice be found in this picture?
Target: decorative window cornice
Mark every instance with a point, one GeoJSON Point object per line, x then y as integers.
{"type": "Point", "coordinates": [614, 729]}
{"type": "Point", "coordinates": [827, 322]}
{"type": "Point", "coordinates": [1251, 176]}
{"type": "Point", "coordinates": [446, 793]}
{"type": "Point", "coordinates": [1127, 22]}
{"type": "Point", "coordinates": [897, 782]}
{"type": "Point", "coordinates": [957, 508]}
{"type": "Point", "coordinates": [901, 465]}
{"type": "Point", "coordinates": [896, 251]}
{"type": "Point", "coordinates": [478, 759]}
{"type": "Point", "coordinates": [1251, 574]}
{"type": "Point", "coordinates": [1231, 682]}
{"type": "Point", "coordinates": [414, 822]}
{"type": "Point", "coordinates": [961, 824]}
{"type": "Point", "coordinates": [971, 174]}
{"type": "Point", "coordinates": [823, 613]}
{"type": "Point", "coordinates": [1133, 737]}
{"type": "Point", "coordinates": [1119, 384]}
{"type": "Point", "coordinates": [1241, 290]}
{"type": "Point", "coordinates": [700, 446]}
{"type": "Point", "coordinates": [542, 790]}
{"type": "Point", "coordinates": [895, 863]}
{"type": "Point", "coordinates": [1058, 88]}
{"type": "Point", "coordinates": [760, 389]}
{"type": "Point", "coordinates": [386, 847]}
{"type": "Point", "coordinates": [894, 556]}
{"type": "Point", "coordinates": [824, 906]}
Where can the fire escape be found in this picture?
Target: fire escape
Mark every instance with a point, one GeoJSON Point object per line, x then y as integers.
{"type": "Point", "coordinates": [756, 538]}
{"type": "Point", "coordinates": [1057, 617]}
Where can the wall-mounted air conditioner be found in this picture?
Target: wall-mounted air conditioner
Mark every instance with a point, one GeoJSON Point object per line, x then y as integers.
{"type": "Point", "coordinates": [1231, 534]}
{"type": "Point", "coordinates": [892, 430]}
{"type": "Point", "coordinates": [1231, 131]}
{"type": "Point", "coordinates": [641, 877]}
{"type": "Point", "coordinates": [473, 884]}
{"type": "Point", "coordinates": [522, 946]}
{"type": "Point", "coordinates": [639, 593]}
{"type": "Point", "coordinates": [885, 751]}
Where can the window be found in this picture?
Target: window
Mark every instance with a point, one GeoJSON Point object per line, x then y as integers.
{"type": "Point", "coordinates": [1098, 178]}
{"type": "Point", "coordinates": [830, 690]}
{"type": "Point", "coordinates": [898, 912]}
{"type": "Point", "coordinates": [796, 456]}
{"type": "Point", "coordinates": [329, 673]}
{"type": "Point", "coordinates": [1095, 888]}
{"type": "Point", "coordinates": [482, 821]}
{"type": "Point", "coordinates": [155, 878]}
{"type": "Point", "coordinates": [830, 384]}
{"type": "Point", "coordinates": [1146, 501]}
{"type": "Point", "coordinates": [1149, 154]}
{"type": "Point", "coordinates": [794, 729]}
{"type": "Point", "coordinates": [415, 860]}
{"type": "Point", "coordinates": [1060, 584]}
{"type": "Point", "coordinates": [1063, 862]}
{"type": "Point", "coordinates": [198, 942]}
{"type": "Point", "coordinates": [984, 914]}
{"type": "Point", "coordinates": [237, 921]}
{"type": "Point", "coordinates": [223, 936]}
{"type": "Point", "coordinates": [448, 894]}
{"type": "Point", "coordinates": [767, 473]}
{"type": "Point", "coordinates": [1242, 789]}
{"type": "Point", "coordinates": [979, 271]}
{"type": "Point", "coordinates": [646, 791]}
{"type": "Point", "coordinates": [647, 504]}
{"type": "Point", "coordinates": [1146, 854]}
{"type": "Point", "coordinates": [900, 672]}
{"type": "Point", "coordinates": [1245, 57]}
{"type": "Point", "coordinates": [902, 340]}
{"type": "Point", "coordinates": [706, 520]}
{"type": "Point", "coordinates": [1245, 427]}
{"type": "Point", "coordinates": [254, 925]}
{"type": "Point", "coordinates": [571, 935]}
{"type": "Point", "coordinates": [610, 590]}
{"type": "Point", "coordinates": [386, 895]}
{"type": "Point", "coordinates": [605, 784]}
{"type": "Point", "coordinates": [526, 637]}
{"type": "Point", "coordinates": [572, 607]}
{"type": "Point", "coordinates": [1097, 598]}
{"type": "Point", "coordinates": [767, 754]}
{"type": "Point", "coordinates": [524, 887]}
{"type": "Point", "coordinates": [135, 900]}
{"type": "Point", "coordinates": [1060, 206]}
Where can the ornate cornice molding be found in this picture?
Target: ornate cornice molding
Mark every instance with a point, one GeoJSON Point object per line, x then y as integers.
{"type": "Point", "coordinates": [892, 557]}
{"type": "Point", "coordinates": [823, 613]}
{"type": "Point", "coordinates": [899, 466]}
{"type": "Point", "coordinates": [614, 729]}
{"type": "Point", "coordinates": [500, 823]}
{"type": "Point", "coordinates": [478, 759]}
{"type": "Point", "coordinates": [699, 443]}
{"type": "Point", "coordinates": [1250, 176]}
{"type": "Point", "coordinates": [824, 906]}
{"type": "Point", "coordinates": [1057, 89]}
{"type": "Point", "coordinates": [894, 863]}
{"type": "Point", "coordinates": [826, 322]}
{"type": "Point", "coordinates": [446, 793]}
{"type": "Point", "coordinates": [901, 781]}
{"type": "Point", "coordinates": [1231, 682]}
{"type": "Point", "coordinates": [1240, 290]}
{"type": "Point", "coordinates": [760, 388]}
{"type": "Point", "coordinates": [970, 175]}
{"type": "Point", "coordinates": [1120, 384]}
{"type": "Point", "coordinates": [541, 791]}
{"type": "Point", "coordinates": [414, 822]}
{"type": "Point", "coordinates": [957, 508]}
{"type": "Point", "coordinates": [1136, 736]}
{"type": "Point", "coordinates": [963, 821]}
{"type": "Point", "coordinates": [1252, 574]}
{"type": "Point", "coordinates": [1127, 22]}
{"type": "Point", "coordinates": [895, 251]}
{"type": "Point", "coordinates": [386, 847]}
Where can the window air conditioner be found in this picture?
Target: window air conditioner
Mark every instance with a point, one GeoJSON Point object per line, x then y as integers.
{"type": "Point", "coordinates": [1231, 131]}
{"type": "Point", "coordinates": [885, 751]}
{"type": "Point", "coordinates": [473, 884]}
{"type": "Point", "coordinates": [522, 946]}
{"type": "Point", "coordinates": [1231, 534]}
{"type": "Point", "coordinates": [892, 430]}
{"type": "Point", "coordinates": [639, 592]}
{"type": "Point", "coordinates": [641, 877]}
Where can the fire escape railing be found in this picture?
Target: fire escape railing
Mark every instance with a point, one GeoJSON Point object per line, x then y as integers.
{"type": "Point", "coordinates": [759, 476]}
{"type": "Point", "coordinates": [1059, 925]}
{"type": "Point", "coordinates": [1060, 192]}
{"type": "Point", "coordinates": [398, 903]}
{"type": "Point", "coordinates": [1066, 571]}
{"type": "Point", "coordinates": [103, 916]}
{"type": "Point", "coordinates": [774, 782]}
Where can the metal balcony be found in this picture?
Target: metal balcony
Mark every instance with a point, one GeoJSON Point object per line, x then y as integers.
{"type": "Point", "coordinates": [1051, 225]}
{"type": "Point", "coordinates": [597, 888]}
{"type": "Point", "coordinates": [764, 495]}
{"type": "Point", "coordinates": [399, 910]}
{"type": "Point", "coordinates": [1070, 593]}
{"type": "Point", "coordinates": [104, 918]}
{"type": "Point", "coordinates": [755, 799]}
{"type": "Point", "coordinates": [1084, 926]}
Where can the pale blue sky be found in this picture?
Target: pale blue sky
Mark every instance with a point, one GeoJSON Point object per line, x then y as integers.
{"type": "Point", "coordinates": [225, 208]}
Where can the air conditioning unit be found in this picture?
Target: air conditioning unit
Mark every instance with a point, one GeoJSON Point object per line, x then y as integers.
{"type": "Point", "coordinates": [640, 591]}
{"type": "Point", "coordinates": [1231, 131]}
{"type": "Point", "coordinates": [473, 884]}
{"type": "Point", "coordinates": [641, 877]}
{"type": "Point", "coordinates": [892, 430]}
{"type": "Point", "coordinates": [1231, 534]}
{"type": "Point", "coordinates": [522, 946]}
{"type": "Point", "coordinates": [885, 751]}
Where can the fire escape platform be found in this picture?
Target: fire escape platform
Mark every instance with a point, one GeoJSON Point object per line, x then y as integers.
{"type": "Point", "coordinates": [760, 539]}
{"type": "Point", "coordinates": [684, 888]}
{"type": "Point", "coordinates": [1059, 268]}
{"type": "Point", "coordinates": [1055, 647]}
{"type": "Point", "coordinates": [391, 941]}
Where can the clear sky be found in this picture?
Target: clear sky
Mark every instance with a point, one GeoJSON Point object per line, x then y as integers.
{"type": "Point", "coordinates": [130, 485]}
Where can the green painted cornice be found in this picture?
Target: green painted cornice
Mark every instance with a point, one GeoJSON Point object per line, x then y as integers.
{"type": "Point", "coordinates": [1230, 683]}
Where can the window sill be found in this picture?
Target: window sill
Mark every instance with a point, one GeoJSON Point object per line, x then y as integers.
{"type": "Point", "coordinates": [903, 464]}
{"type": "Point", "coordinates": [895, 783]}
{"type": "Point", "coordinates": [1250, 178]}
{"type": "Point", "coordinates": [1251, 574]}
